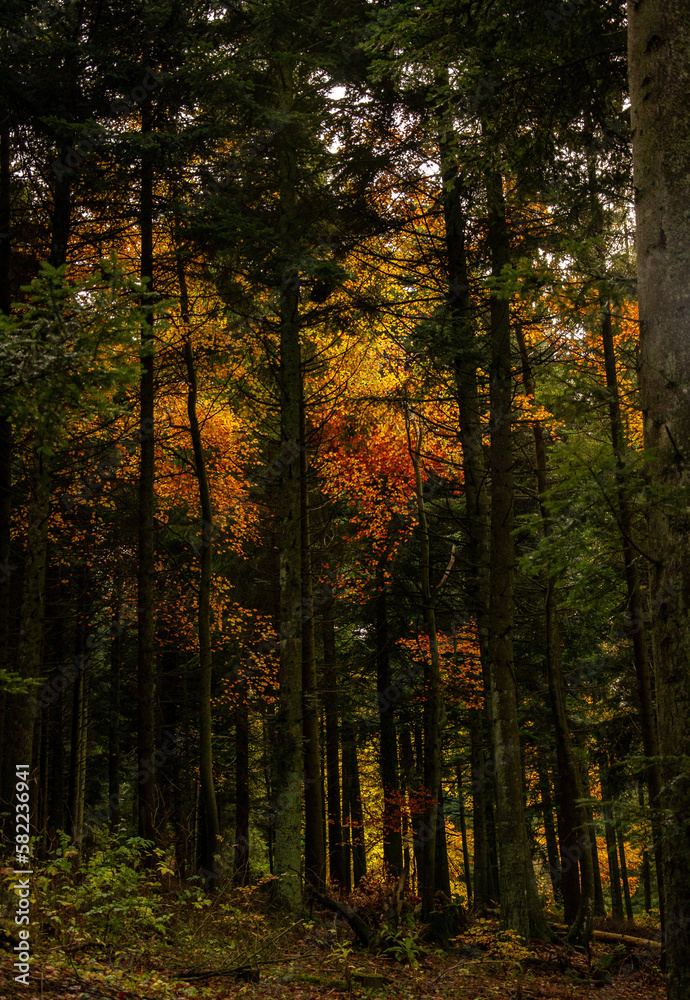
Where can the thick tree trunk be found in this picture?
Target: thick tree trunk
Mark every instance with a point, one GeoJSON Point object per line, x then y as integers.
{"type": "Point", "coordinates": [515, 863]}
{"type": "Point", "coordinates": [288, 758]}
{"type": "Point", "coordinates": [659, 40]}
{"type": "Point", "coordinates": [145, 523]}
{"type": "Point", "coordinates": [332, 712]}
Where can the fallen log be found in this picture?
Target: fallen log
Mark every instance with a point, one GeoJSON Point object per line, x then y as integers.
{"type": "Point", "coordinates": [363, 933]}
{"type": "Point", "coordinates": [616, 938]}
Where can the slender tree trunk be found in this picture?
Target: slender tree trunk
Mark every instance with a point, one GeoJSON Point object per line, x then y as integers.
{"type": "Point", "coordinates": [433, 708]}
{"type": "Point", "coordinates": [441, 868]}
{"type": "Point", "coordinates": [145, 523]}
{"type": "Point", "coordinates": [332, 711]}
{"type": "Point", "coordinates": [550, 832]}
{"type": "Point", "coordinates": [241, 872]}
{"type": "Point", "coordinates": [624, 874]}
{"type": "Point", "coordinates": [599, 908]}
{"type": "Point", "coordinates": [359, 858]}
{"type": "Point", "coordinates": [210, 846]}
{"type": "Point", "coordinates": [646, 873]}
{"type": "Point", "coordinates": [482, 893]}
{"type": "Point", "coordinates": [314, 854]}
{"type": "Point", "coordinates": [83, 751]}
{"type": "Point", "coordinates": [463, 835]}
{"type": "Point", "coordinates": [635, 602]}
{"type": "Point", "coordinates": [578, 898]}
{"type": "Point", "coordinates": [411, 780]}
{"type": "Point", "coordinates": [114, 716]}
{"type": "Point", "coordinates": [346, 825]}
{"type": "Point", "coordinates": [611, 847]}
{"type": "Point", "coordinates": [659, 38]}
{"type": "Point", "coordinates": [388, 745]}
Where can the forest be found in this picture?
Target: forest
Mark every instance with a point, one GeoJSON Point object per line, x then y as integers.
{"type": "Point", "coordinates": [344, 527]}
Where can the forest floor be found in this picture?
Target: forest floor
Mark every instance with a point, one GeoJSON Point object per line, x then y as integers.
{"type": "Point", "coordinates": [230, 953]}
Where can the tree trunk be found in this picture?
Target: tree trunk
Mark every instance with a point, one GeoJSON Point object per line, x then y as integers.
{"type": "Point", "coordinates": [314, 854]}
{"type": "Point", "coordinates": [241, 859]}
{"type": "Point", "coordinates": [463, 835]}
{"type": "Point", "coordinates": [388, 745]}
{"type": "Point", "coordinates": [114, 716]}
{"type": "Point", "coordinates": [659, 38]}
{"type": "Point", "coordinates": [624, 874]}
{"type": "Point", "coordinates": [359, 858]}
{"type": "Point", "coordinates": [636, 624]}
{"type": "Point", "coordinates": [346, 825]}
{"type": "Point", "coordinates": [611, 847]}
{"type": "Point", "coordinates": [482, 894]}
{"type": "Point", "coordinates": [599, 908]}
{"type": "Point", "coordinates": [332, 711]}
{"type": "Point", "coordinates": [288, 759]}
{"type": "Point", "coordinates": [433, 707]}
{"type": "Point", "coordinates": [145, 523]}
{"type": "Point", "coordinates": [510, 823]}
{"type": "Point", "coordinates": [210, 846]}
{"type": "Point", "coordinates": [550, 832]}
{"type": "Point", "coordinates": [578, 898]}
{"type": "Point", "coordinates": [441, 869]}
{"type": "Point", "coordinates": [646, 873]}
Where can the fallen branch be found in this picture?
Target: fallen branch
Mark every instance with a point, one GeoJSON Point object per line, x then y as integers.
{"type": "Point", "coordinates": [619, 938]}
{"type": "Point", "coordinates": [361, 930]}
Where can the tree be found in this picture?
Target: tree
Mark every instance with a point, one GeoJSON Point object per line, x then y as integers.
{"type": "Point", "coordinates": [659, 36]}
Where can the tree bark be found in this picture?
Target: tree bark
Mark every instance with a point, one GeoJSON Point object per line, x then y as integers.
{"type": "Point", "coordinates": [578, 898]}
{"type": "Point", "coordinates": [314, 853]}
{"type": "Point", "coordinates": [659, 39]}
{"type": "Point", "coordinates": [515, 862]}
{"type": "Point", "coordinates": [209, 848]}
{"type": "Point", "coordinates": [463, 835]}
{"type": "Point", "coordinates": [433, 707]}
{"type": "Point", "coordinates": [550, 832]}
{"type": "Point", "coordinates": [288, 758]}
{"type": "Point", "coordinates": [624, 874]}
{"type": "Point", "coordinates": [332, 712]}
{"type": "Point", "coordinates": [114, 715]}
{"type": "Point", "coordinates": [145, 523]}
{"type": "Point", "coordinates": [241, 859]}
{"type": "Point", "coordinates": [388, 741]}
{"type": "Point", "coordinates": [611, 846]}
